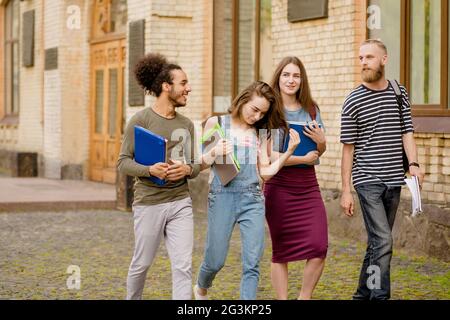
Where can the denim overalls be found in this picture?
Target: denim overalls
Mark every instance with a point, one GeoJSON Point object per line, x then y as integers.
{"type": "Point", "coordinates": [240, 201]}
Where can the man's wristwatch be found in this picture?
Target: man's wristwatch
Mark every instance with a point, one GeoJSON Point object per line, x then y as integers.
{"type": "Point", "coordinates": [415, 164]}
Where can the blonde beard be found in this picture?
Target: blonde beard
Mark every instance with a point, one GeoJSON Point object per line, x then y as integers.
{"type": "Point", "coordinates": [370, 76]}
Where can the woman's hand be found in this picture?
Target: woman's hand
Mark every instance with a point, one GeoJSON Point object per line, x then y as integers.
{"type": "Point", "coordinates": [222, 148]}
{"type": "Point", "coordinates": [311, 157]}
{"type": "Point", "coordinates": [294, 140]}
{"type": "Point", "coordinates": [314, 132]}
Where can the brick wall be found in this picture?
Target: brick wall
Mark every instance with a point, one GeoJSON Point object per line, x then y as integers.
{"type": "Point", "coordinates": [329, 49]}
{"type": "Point", "coordinates": [183, 35]}
{"type": "Point", "coordinates": [75, 87]}
{"type": "Point", "coordinates": [52, 151]}
{"type": "Point", "coordinates": [323, 46]}
{"type": "Point", "coordinates": [434, 155]}
{"type": "Point", "coordinates": [30, 130]}
{"type": "Point", "coordinates": [52, 128]}
{"type": "Point", "coordinates": [53, 118]}
{"type": "Point", "coordinates": [57, 126]}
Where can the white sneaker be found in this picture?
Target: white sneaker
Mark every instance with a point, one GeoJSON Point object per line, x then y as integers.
{"type": "Point", "coordinates": [197, 294]}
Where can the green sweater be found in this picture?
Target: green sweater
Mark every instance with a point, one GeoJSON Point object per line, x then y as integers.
{"type": "Point", "coordinates": [179, 132]}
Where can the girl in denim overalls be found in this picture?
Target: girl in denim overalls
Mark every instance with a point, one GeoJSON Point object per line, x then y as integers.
{"type": "Point", "coordinates": [241, 201]}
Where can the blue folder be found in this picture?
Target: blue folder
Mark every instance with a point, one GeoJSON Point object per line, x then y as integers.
{"type": "Point", "coordinates": [306, 143]}
{"type": "Point", "coordinates": [149, 148]}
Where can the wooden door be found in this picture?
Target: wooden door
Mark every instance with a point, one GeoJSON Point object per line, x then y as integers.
{"type": "Point", "coordinates": [107, 103]}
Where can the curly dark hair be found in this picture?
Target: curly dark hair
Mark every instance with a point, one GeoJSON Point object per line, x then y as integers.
{"type": "Point", "coordinates": [152, 71]}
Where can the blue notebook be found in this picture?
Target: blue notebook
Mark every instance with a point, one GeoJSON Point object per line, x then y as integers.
{"type": "Point", "coordinates": [149, 148]}
{"type": "Point", "coordinates": [306, 143]}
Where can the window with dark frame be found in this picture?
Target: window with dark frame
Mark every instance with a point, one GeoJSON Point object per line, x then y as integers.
{"type": "Point", "coordinates": [241, 48]}
{"type": "Point", "coordinates": [416, 35]}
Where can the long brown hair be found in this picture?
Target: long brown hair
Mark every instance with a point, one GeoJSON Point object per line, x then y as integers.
{"type": "Point", "coordinates": [274, 117]}
{"type": "Point", "coordinates": [303, 95]}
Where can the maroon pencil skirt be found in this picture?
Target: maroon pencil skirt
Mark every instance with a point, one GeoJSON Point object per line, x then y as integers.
{"type": "Point", "coordinates": [296, 215]}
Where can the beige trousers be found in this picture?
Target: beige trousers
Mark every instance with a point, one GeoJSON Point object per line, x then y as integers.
{"type": "Point", "coordinates": [172, 221]}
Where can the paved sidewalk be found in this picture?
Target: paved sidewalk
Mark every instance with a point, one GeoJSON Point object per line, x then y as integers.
{"type": "Point", "coordinates": [38, 248]}
{"type": "Point", "coordinates": [25, 194]}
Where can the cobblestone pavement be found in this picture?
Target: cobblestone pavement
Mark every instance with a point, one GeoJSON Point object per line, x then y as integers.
{"type": "Point", "coordinates": [36, 249]}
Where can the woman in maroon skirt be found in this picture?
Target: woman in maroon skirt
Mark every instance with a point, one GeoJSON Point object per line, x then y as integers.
{"type": "Point", "coordinates": [294, 207]}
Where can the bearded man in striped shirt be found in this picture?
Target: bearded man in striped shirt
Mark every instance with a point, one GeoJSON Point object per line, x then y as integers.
{"type": "Point", "coordinates": [373, 134]}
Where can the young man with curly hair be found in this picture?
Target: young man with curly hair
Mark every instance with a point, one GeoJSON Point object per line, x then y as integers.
{"type": "Point", "coordinates": [162, 211]}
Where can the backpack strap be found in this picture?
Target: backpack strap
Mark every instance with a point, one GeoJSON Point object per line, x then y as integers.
{"type": "Point", "coordinates": [399, 97]}
{"type": "Point", "coordinates": [396, 87]}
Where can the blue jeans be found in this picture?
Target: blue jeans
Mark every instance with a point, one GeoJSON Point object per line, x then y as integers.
{"type": "Point", "coordinates": [379, 204]}
{"type": "Point", "coordinates": [226, 207]}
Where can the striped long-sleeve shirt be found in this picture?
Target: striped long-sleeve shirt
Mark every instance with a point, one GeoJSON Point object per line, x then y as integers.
{"type": "Point", "coordinates": [371, 121]}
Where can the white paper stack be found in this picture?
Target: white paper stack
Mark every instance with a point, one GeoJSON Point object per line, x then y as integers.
{"type": "Point", "coordinates": [414, 188]}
